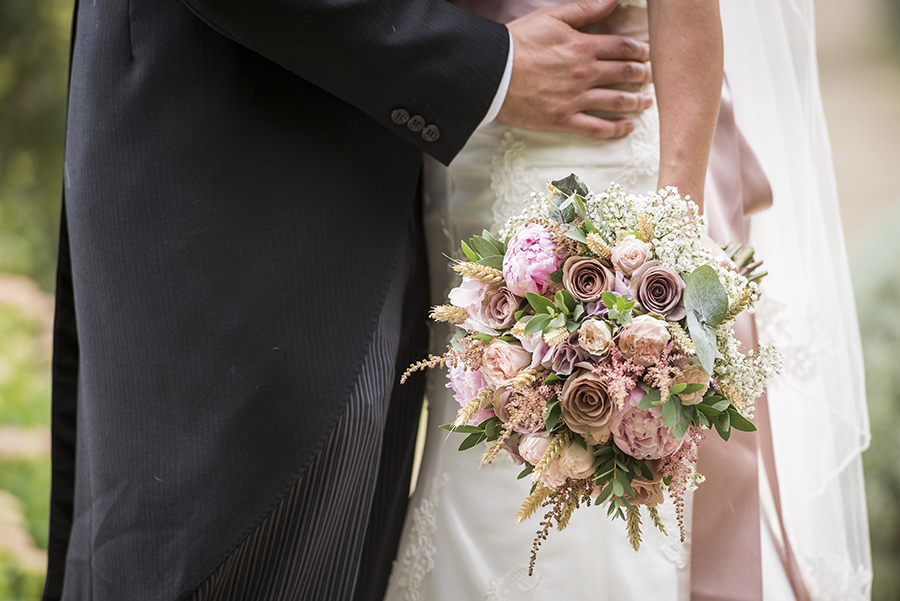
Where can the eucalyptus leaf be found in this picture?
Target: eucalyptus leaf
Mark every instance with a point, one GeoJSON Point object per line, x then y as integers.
{"type": "Point", "coordinates": [604, 495]}
{"type": "Point", "coordinates": [557, 322]}
{"type": "Point", "coordinates": [471, 440]}
{"type": "Point", "coordinates": [704, 339]}
{"type": "Point", "coordinates": [528, 469]}
{"type": "Point", "coordinates": [565, 301]}
{"type": "Point", "coordinates": [571, 184]}
{"type": "Point", "coordinates": [651, 399]}
{"type": "Point", "coordinates": [618, 489]}
{"type": "Point", "coordinates": [723, 425]}
{"type": "Point", "coordinates": [553, 416]}
{"type": "Point", "coordinates": [483, 247]}
{"type": "Point", "coordinates": [578, 312]}
{"type": "Point", "coordinates": [463, 429]}
{"type": "Point", "coordinates": [684, 421]}
{"type": "Point", "coordinates": [501, 248]}
{"type": "Point", "coordinates": [705, 297]}
{"type": "Point", "coordinates": [670, 413]}
{"type": "Point", "coordinates": [580, 209]}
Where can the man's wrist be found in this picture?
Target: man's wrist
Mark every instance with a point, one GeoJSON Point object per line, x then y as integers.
{"type": "Point", "coordinates": [502, 89]}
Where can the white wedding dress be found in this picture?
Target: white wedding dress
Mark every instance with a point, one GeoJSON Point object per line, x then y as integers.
{"type": "Point", "coordinates": [460, 540]}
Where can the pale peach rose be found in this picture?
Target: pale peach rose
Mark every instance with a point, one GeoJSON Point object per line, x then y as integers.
{"type": "Point", "coordinates": [629, 254]}
{"type": "Point", "coordinates": [595, 337]}
{"type": "Point", "coordinates": [533, 447]}
{"type": "Point", "coordinates": [692, 373]}
{"type": "Point", "coordinates": [554, 476]}
{"type": "Point", "coordinates": [503, 361]}
{"type": "Point", "coordinates": [576, 462]}
{"type": "Point", "coordinates": [644, 339]}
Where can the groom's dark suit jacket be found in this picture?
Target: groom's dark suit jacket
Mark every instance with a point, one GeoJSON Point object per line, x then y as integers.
{"type": "Point", "coordinates": [238, 179]}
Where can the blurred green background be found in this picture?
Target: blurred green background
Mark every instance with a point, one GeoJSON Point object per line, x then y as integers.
{"type": "Point", "coordinates": [859, 53]}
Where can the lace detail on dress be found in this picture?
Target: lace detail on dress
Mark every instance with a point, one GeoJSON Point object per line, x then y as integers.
{"type": "Point", "coordinates": [511, 182]}
{"type": "Point", "coordinates": [511, 586]}
{"type": "Point", "coordinates": [832, 578]}
{"type": "Point", "coordinates": [671, 546]}
{"type": "Point", "coordinates": [802, 355]}
{"type": "Point", "coordinates": [644, 146]}
{"type": "Point", "coordinates": [418, 556]}
{"type": "Point", "coordinates": [634, 3]}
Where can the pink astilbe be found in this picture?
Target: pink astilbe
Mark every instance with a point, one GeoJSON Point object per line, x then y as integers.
{"type": "Point", "coordinates": [678, 470]}
{"type": "Point", "coordinates": [664, 372]}
{"type": "Point", "coordinates": [620, 374]}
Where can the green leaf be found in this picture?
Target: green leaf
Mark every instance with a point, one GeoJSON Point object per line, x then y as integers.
{"type": "Point", "coordinates": [739, 422]}
{"type": "Point", "coordinates": [471, 440]}
{"type": "Point", "coordinates": [609, 299]}
{"type": "Point", "coordinates": [578, 312]}
{"type": "Point", "coordinates": [557, 322]}
{"type": "Point", "coordinates": [684, 421]}
{"type": "Point", "coordinates": [707, 409]}
{"type": "Point", "coordinates": [528, 469]}
{"type": "Point", "coordinates": [482, 337]}
{"type": "Point", "coordinates": [554, 411]}
{"type": "Point", "coordinates": [580, 209]}
{"type": "Point", "coordinates": [536, 324]}
{"type": "Point", "coordinates": [539, 303]}
{"type": "Point", "coordinates": [604, 451]}
{"type": "Point", "coordinates": [571, 184]}
{"type": "Point", "coordinates": [576, 234]}
{"type": "Point", "coordinates": [491, 428]}
{"type": "Point", "coordinates": [618, 489]}
{"type": "Point", "coordinates": [556, 276]}
{"type": "Point", "coordinates": [704, 339]}
{"type": "Point", "coordinates": [552, 378]}
{"type": "Point", "coordinates": [604, 495]}
{"type": "Point", "coordinates": [501, 248]}
{"type": "Point", "coordinates": [723, 425]}
{"type": "Point", "coordinates": [483, 247]}
{"type": "Point", "coordinates": [580, 440]}
{"type": "Point", "coordinates": [705, 297]}
{"type": "Point", "coordinates": [468, 251]}
{"type": "Point", "coordinates": [494, 262]}
{"type": "Point", "coordinates": [705, 420]}
{"type": "Point", "coordinates": [463, 429]}
{"type": "Point", "coordinates": [645, 471]}
{"type": "Point", "coordinates": [572, 325]}
{"type": "Point", "coordinates": [651, 399]}
{"type": "Point", "coordinates": [689, 388]}
{"type": "Point", "coordinates": [565, 301]}
{"type": "Point", "coordinates": [670, 413]}
{"type": "Point", "coordinates": [677, 388]}
{"type": "Point", "coordinates": [590, 228]}
{"type": "Point", "coordinates": [456, 341]}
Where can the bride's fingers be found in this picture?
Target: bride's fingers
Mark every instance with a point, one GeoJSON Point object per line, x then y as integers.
{"type": "Point", "coordinates": [607, 72]}
{"type": "Point", "coordinates": [615, 101]}
{"type": "Point", "coordinates": [619, 48]}
{"type": "Point", "coordinates": [596, 127]}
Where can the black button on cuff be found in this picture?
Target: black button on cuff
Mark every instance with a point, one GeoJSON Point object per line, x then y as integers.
{"type": "Point", "coordinates": [431, 133]}
{"type": "Point", "coordinates": [416, 123]}
{"type": "Point", "coordinates": [399, 116]}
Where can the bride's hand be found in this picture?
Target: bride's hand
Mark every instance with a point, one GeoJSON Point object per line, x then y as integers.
{"type": "Point", "coordinates": [557, 72]}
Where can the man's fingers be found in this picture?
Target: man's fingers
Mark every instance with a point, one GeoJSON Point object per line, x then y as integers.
{"type": "Point", "coordinates": [615, 101]}
{"type": "Point", "coordinates": [584, 12]}
{"type": "Point", "coordinates": [620, 48]}
{"type": "Point", "coordinates": [595, 127]}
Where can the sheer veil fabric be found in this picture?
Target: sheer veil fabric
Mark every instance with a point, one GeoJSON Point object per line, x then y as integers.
{"type": "Point", "coordinates": [817, 406]}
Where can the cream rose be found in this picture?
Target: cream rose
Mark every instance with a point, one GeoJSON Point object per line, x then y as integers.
{"type": "Point", "coordinates": [595, 337]}
{"type": "Point", "coordinates": [692, 373]}
{"type": "Point", "coordinates": [502, 362]}
{"type": "Point", "coordinates": [532, 448]}
{"type": "Point", "coordinates": [576, 462]}
{"type": "Point", "coordinates": [629, 254]}
{"type": "Point", "coordinates": [644, 339]}
{"type": "Point", "coordinates": [554, 476]}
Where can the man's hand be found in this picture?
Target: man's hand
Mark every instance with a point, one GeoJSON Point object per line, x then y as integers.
{"type": "Point", "coordinates": [557, 72]}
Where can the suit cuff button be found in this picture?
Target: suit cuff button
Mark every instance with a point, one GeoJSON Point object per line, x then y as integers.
{"type": "Point", "coordinates": [416, 123]}
{"type": "Point", "coordinates": [431, 133]}
{"type": "Point", "coordinates": [399, 116]}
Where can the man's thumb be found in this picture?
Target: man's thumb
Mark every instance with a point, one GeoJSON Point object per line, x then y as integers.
{"type": "Point", "coordinates": [584, 12]}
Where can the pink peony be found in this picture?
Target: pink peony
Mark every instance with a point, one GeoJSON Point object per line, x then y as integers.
{"type": "Point", "coordinates": [465, 383]}
{"type": "Point", "coordinates": [640, 432]}
{"type": "Point", "coordinates": [531, 257]}
{"type": "Point", "coordinates": [470, 295]}
{"type": "Point", "coordinates": [532, 447]}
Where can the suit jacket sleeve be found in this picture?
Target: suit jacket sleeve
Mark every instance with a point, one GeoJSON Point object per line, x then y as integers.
{"type": "Point", "coordinates": [427, 57]}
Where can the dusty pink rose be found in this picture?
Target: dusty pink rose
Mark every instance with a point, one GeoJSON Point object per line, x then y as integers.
{"type": "Point", "coordinates": [503, 361]}
{"type": "Point", "coordinates": [658, 290]}
{"type": "Point", "coordinates": [554, 477]}
{"type": "Point", "coordinates": [595, 337]}
{"type": "Point", "coordinates": [640, 432]}
{"type": "Point", "coordinates": [499, 308]}
{"type": "Point", "coordinates": [561, 358]}
{"type": "Point", "coordinates": [576, 462]}
{"type": "Point", "coordinates": [586, 406]}
{"type": "Point", "coordinates": [530, 258]}
{"type": "Point", "coordinates": [587, 279]}
{"type": "Point", "coordinates": [512, 447]}
{"type": "Point", "coordinates": [629, 254]}
{"type": "Point", "coordinates": [692, 373]}
{"type": "Point", "coordinates": [470, 296]}
{"type": "Point", "coordinates": [533, 447]}
{"type": "Point", "coordinates": [644, 339]}
{"type": "Point", "coordinates": [646, 492]}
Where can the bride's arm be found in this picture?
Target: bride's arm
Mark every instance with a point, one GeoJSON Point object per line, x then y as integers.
{"type": "Point", "coordinates": [686, 57]}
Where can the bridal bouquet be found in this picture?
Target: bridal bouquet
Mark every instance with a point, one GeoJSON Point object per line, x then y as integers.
{"type": "Point", "coordinates": [595, 346]}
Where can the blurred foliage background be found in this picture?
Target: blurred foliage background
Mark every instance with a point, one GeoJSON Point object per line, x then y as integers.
{"type": "Point", "coordinates": [860, 71]}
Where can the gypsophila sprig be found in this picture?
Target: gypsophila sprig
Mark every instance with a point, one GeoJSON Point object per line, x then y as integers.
{"type": "Point", "coordinates": [596, 345]}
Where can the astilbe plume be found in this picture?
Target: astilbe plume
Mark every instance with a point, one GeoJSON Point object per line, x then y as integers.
{"type": "Point", "coordinates": [678, 470]}
{"type": "Point", "coordinates": [664, 372]}
{"type": "Point", "coordinates": [471, 357]}
{"type": "Point", "coordinates": [619, 374]}
{"type": "Point", "coordinates": [563, 502]}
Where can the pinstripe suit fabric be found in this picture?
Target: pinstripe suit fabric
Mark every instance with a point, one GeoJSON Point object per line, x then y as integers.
{"type": "Point", "coordinates": [309, 546]}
